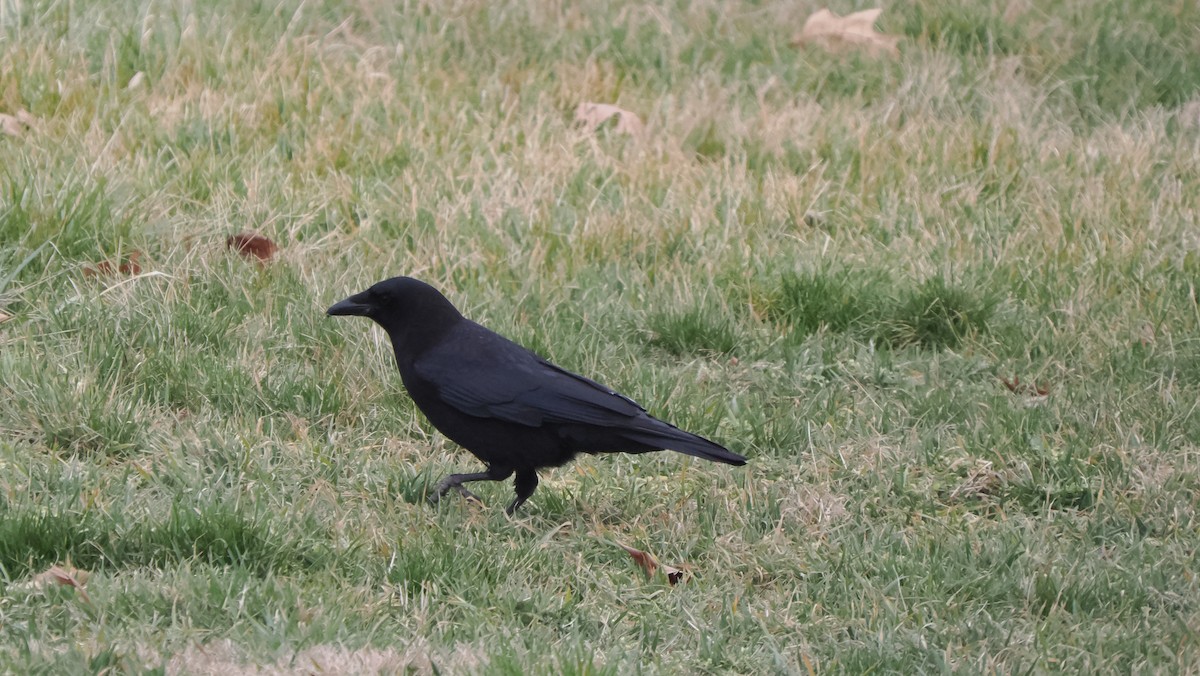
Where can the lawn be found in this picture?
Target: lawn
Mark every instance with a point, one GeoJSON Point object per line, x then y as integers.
{"type": "Point", "coordinates": [944, 300]}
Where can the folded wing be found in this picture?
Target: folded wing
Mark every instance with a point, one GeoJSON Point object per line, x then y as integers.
{"type": "Point", "coordinates": [505, 381]}
{"type": "Point", "coordinates": [502, 380]}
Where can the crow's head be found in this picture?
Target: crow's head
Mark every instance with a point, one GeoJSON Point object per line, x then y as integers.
{"type": "Point", "coordinates": [401, 305]}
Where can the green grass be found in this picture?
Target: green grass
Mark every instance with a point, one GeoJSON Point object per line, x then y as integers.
{"type": "Point", "coordinates": [832, 264]}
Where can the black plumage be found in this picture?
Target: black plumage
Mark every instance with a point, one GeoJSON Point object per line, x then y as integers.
{"type": "Point", "coordinates": [512, 409]}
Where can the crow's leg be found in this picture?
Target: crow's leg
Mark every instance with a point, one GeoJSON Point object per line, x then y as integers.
{"type": "Point", "coordinates": [456, 481]}
{"type": "Point", "coordinates": [525, 483]}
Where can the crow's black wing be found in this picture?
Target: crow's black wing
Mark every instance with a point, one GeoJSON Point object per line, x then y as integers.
{"type": "Point", "coordinates": [486, 375]}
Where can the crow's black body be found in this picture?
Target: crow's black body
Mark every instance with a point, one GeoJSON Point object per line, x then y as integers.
{"type": "Point", "coordinates": [509, 407]}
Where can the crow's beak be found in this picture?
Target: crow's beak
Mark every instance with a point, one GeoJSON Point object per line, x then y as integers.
{"type": "Point", "coordinates": [350, 306]}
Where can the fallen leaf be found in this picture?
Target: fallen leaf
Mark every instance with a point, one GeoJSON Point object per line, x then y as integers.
{"type": "Point", "coordinates": [4, 317]}
{"type": "Point", "coordinates": [650, 565]}
{"type": "Point", "coordinates": [251, 244]}
{"type": "Point", "coordinates": [136, 80]}
{"type": "Point", "coordinates": [853, 31]}
{"type": "Point", "coordinates": [104, 268]}
{"type": "Point", "coordinates": [66, 576]}
{"type": "Point", "coordinates": [592, 115]}
{"type": "Point", "coordinates": [674, 575]}
{"type": "Point", "coordinates": [128, 267]}
{"type": "Point", "coordinates": [1034, 390]}
{"type": "Point", "coordinates": [16, 125]}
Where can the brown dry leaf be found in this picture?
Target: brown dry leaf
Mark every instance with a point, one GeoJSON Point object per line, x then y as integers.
{"type": "Point", "coordinates": [650, 565]}
{"type": "Point", "coordinates": [16, 125]}
{"type": "Point", "coordinates": [4, 317]}
{"type": "Point", "coordinates": [1017, 387]}
{"type": "Point", "coordinates": [66, 576]}
{"type": "Point", "coordinates": [853, 31]}
{"type": "Point", "coordinates": [128, 267]}
{"type": "Point", "coordinates": [592, 115]}
{"type": "Point", "coordinates": [251, 244]}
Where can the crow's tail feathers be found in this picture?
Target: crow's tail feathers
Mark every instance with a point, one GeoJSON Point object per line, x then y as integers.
{"type": "Point", "coordinates": [672, 438]}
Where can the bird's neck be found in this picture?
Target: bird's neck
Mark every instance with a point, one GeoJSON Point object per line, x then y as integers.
{"type": "Point", "coordinates": [410, 342]}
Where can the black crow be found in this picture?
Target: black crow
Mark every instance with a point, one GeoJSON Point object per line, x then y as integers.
{"type": "Point", "coordinates": [514, 410]}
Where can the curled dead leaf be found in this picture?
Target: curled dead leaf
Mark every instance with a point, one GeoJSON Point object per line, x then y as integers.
{"type": "Point", "coordinates": [853, 31]}
{"type": "Point", "coordinates": [674, 575]}
{"type": "Point", "coordinates": [17, 124]}
{"type": "Point", "coordinates": [593, 115]}
{"type": "Point", "coordinates": [66, 576]}
{"type": "Point", "coordinates": [129, 267]}
{"type": "Point", "coordinates": [4, 317]}
{"type": "Point", "coordinates": [650, 565]}
{"type": "Point", "coordinates": [252, 244]}
{"type": "Point", "coordinates": [1031, 390]}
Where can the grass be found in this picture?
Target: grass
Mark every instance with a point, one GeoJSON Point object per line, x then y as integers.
{"type": "Point", "coordinates": [945, 303]}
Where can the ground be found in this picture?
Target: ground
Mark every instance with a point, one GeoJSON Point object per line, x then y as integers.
{"type": "Point", "coordinates": [945, 300]}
